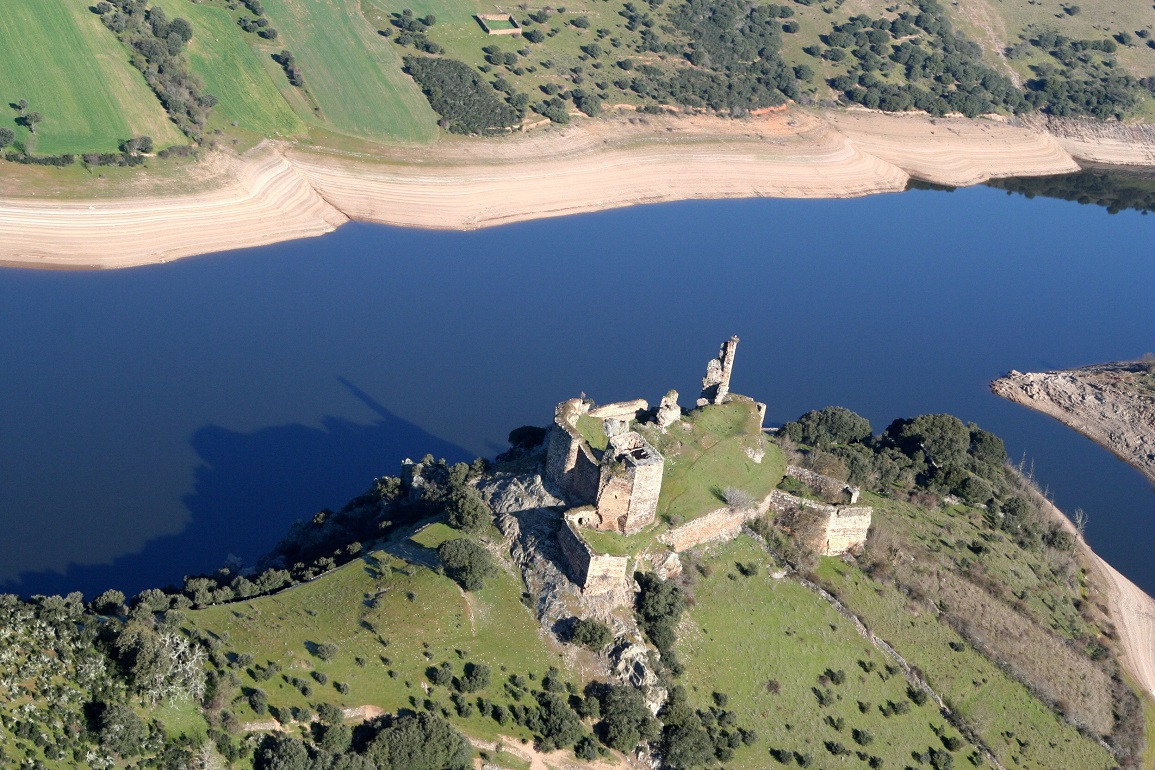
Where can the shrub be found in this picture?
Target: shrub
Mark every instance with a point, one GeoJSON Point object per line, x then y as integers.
{"type": "Point", "coordinates": [326, 651]}
{"type": "Point", "coordinates": [466, 562]}
{"type": "Point", "coordinates": [591, 633]}
{"type": "Point", "coordinates": [467, 510]}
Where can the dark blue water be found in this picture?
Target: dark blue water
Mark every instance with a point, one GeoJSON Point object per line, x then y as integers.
{"type": "Point", "coordinates": [155, 421]}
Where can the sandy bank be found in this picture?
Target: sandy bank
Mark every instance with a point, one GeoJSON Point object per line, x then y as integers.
{"type": "Point", "coordinates": [282, 191]}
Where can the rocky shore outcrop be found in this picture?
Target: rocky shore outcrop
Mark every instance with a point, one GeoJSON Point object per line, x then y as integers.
{"type": "Point", "coordinates": [1111, 404]}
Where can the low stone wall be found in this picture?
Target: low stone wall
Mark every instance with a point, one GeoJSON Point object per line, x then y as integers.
{"type": "Point", "coordinates": [722, 524]}
{"type": "Point", "coordinates": [827, 486]}
{"type": "Point", "coordinates": [620, 410]}
{"type": "Point", "coordinates": [781, 501]}
{"type": "Point", "coordinates": [593, 573]}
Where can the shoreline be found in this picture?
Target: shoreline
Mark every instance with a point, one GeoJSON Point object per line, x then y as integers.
{"type": "Point", "coordinates": [283, 191]}
{"type": "Point", "coordinates": [1090, 401]}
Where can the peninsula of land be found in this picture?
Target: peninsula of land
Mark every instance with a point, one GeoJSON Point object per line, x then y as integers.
{"type": "Point", "coordinates": [1111, 404]}
{"type": "Point", "coordinates": [282, 190]}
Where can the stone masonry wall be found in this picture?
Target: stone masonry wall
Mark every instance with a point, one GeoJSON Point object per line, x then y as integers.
{"type": "Point", "coordinates": [593, 573]}
{"type": "Point", "coordinates": [569, 464]}
{"type": "Point", "coordinates": [846, 529]}
{"type": "Point", "coordinates": [644, 499]}
{"type": "Point", "coordinates": [827, 486]}
{"type": "Point", "coordinates": [722, 524]}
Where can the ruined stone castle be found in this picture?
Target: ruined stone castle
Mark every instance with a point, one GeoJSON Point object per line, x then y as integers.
{"type": "Point", "coordinates": [611, 476]}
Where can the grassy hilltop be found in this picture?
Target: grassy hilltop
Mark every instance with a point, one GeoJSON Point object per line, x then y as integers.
{"type": "Point", "coordinates": [354, 73]}
{"type": "Point", "coordinates": [413, 628]}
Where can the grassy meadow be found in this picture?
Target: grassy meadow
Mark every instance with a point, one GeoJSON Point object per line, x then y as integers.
{"type": "Point", "coordinates": [58, 56]}
{"type": "Point", "coordinates": [765, 643]}
{"type": "Point", "coordinates": [706, 453]}
{"type": "Point", "coordinates": [390, 621]}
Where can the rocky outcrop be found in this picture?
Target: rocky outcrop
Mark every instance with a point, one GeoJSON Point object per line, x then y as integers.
{"type": "Point", "coordinates": [1111, 404]}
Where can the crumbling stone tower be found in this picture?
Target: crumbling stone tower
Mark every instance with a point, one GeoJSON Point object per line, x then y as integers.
{"type": "Point", "coordinates": [716, 383]}
{"type": "Point", "coordinates": [628, 487]}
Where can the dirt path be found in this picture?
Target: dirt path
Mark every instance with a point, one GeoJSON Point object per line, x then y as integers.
{"type": "Point", "coordinates": [553, 760]}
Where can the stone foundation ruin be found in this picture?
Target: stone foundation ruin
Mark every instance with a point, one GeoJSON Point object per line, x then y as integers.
{"type": "Point", "coordinates": [498, 23]}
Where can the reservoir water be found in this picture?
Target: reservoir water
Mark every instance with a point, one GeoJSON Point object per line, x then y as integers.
{"type": "Point", "coordinates": [160, 420]}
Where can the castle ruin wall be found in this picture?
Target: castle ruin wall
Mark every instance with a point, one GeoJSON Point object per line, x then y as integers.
{"type": "Point", "coordinates": [722, 524]}
{"type": "Point", "coordinates": [593, 573]}
{"type": "Point", "coordinates": [827, 486]}
{"type": "Point", "coordinates": [620, 410]}
{"type": "Point", "coordinates": [846, 529]}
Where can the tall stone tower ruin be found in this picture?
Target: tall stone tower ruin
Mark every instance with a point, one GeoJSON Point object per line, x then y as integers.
{"type": "Point", "coordinates": [716, 383]}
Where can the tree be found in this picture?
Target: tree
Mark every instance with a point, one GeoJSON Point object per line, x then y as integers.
{"type": "Point", "coordinates": [111, 602]}
{"type": "Point", "coordinates": [181, 28]}
{"type": "Point", "coordinates": [476, 678]}
{"type": "Point", "coordinates": [121, 730]}
{"type": "Point", "coordinates": [161, 663]}
{"type": "Point", "coordinates": [466, 562]}
{"type": "Point", "coordinates": [943, 437]}
{"type": "Point", "coordinates": [7, 136]}
{"type": "Point", "coordinates": [626, 719]}
{"type": "Point", "coordinates": [559, 724]}
{"type": "Point", "coordinates": [832, 425]}
{"type": "Point", "coordinates": [591, 633]}
{"type": "Point", "coordinates": [685, 742]}
{"type": "Point", "coordinates": [32, 119]}
{"type": "Point", "coordinates": [467, 510]}
{"type": "Point", "coordinates": [280, 752]}
{"type": "Point", "coordinates": [420, 742]}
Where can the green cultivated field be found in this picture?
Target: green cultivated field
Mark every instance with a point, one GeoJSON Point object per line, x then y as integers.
{"type": "Point", "coordinates": [352, 73]}
{"type": "Point", "coordinates": [247, 81]}
{"type": "Point", "coordinates": [73, 71]}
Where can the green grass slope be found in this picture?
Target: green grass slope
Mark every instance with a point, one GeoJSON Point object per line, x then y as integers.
{"type": "Point", "coordinates": [58, 56]}
{"type": "Point", "coordinates": [390, 621]}
{"type": "Point", "coordinates": [351, 72]}
{"type": "Point", "coordinates": [765, 642]}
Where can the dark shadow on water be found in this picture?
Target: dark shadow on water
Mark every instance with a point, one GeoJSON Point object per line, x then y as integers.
{"type": "Point", "coordinates": [250, 487]}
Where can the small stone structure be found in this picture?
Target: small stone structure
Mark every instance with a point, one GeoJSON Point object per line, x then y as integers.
{"type": "Point", "coordinates": [716, 383]}
{"type": "Point", "coordinates": [828, 487]}
{"type": "Point", "coordinates": [595, 573]}
{"type": "Point", "coordinates": [631, 479]}
{"type": "Point", "coordinates": [493, 29]}
{"type": "Point", "coordinates": [623, 482]}
{"type": "Point", "coordinates": [842, 528]}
